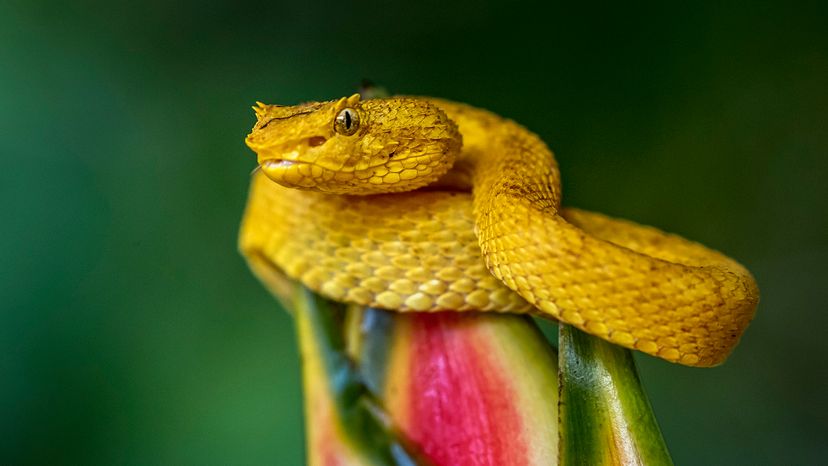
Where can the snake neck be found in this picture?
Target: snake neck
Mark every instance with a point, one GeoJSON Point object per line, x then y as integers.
{"type": "Point", "coordinates": [504, 163]}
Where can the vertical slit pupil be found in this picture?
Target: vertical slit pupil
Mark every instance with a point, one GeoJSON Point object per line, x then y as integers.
{"type": "Point", "coordinates": [347, 119]}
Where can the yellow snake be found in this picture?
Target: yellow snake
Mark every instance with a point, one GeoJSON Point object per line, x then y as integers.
{"type": "Point", "coordinates": [421, 204]}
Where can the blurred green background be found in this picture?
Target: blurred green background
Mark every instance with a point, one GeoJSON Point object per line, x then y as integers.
{"type": "Point", "coordinates": [132, 332]}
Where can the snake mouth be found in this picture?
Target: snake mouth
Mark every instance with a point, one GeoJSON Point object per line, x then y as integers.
{"type": "Point", "coordinates": [278, 164]}
{"type": "Point", "coordinates": [286, 172]}
{"type": "Point", "coordinates": [275, 169]}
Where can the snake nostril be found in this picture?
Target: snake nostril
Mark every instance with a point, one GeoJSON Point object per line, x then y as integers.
{"type": "Point", "coordinates": [314, 141]}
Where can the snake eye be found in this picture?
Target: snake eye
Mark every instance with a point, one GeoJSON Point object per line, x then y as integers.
{"type": "Point", "coordinates": [347, 122]}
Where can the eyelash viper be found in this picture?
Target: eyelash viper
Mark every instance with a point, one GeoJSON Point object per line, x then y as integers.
{"type": "Point", "coordinates": [421, 204]}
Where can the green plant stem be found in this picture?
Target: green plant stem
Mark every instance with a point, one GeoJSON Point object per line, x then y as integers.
{"type": "Point", "coordinates": [605, 417]}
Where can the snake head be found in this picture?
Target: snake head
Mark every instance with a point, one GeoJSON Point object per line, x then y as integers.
{"type": "Point", "coordinates": [354, 146]}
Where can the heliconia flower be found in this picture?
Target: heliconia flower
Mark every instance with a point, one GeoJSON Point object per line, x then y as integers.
{"type": "Point", "coordinates": [471, 389]}
{"type": "Point", "coordinates": [465, 389]}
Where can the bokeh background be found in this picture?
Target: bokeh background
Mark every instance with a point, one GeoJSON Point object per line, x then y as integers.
{"type": "Point", "coordinates": [132, 332]}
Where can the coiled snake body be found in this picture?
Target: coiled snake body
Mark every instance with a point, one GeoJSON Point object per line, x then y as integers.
{"type": "Point", "coordinates": [420, 204]}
